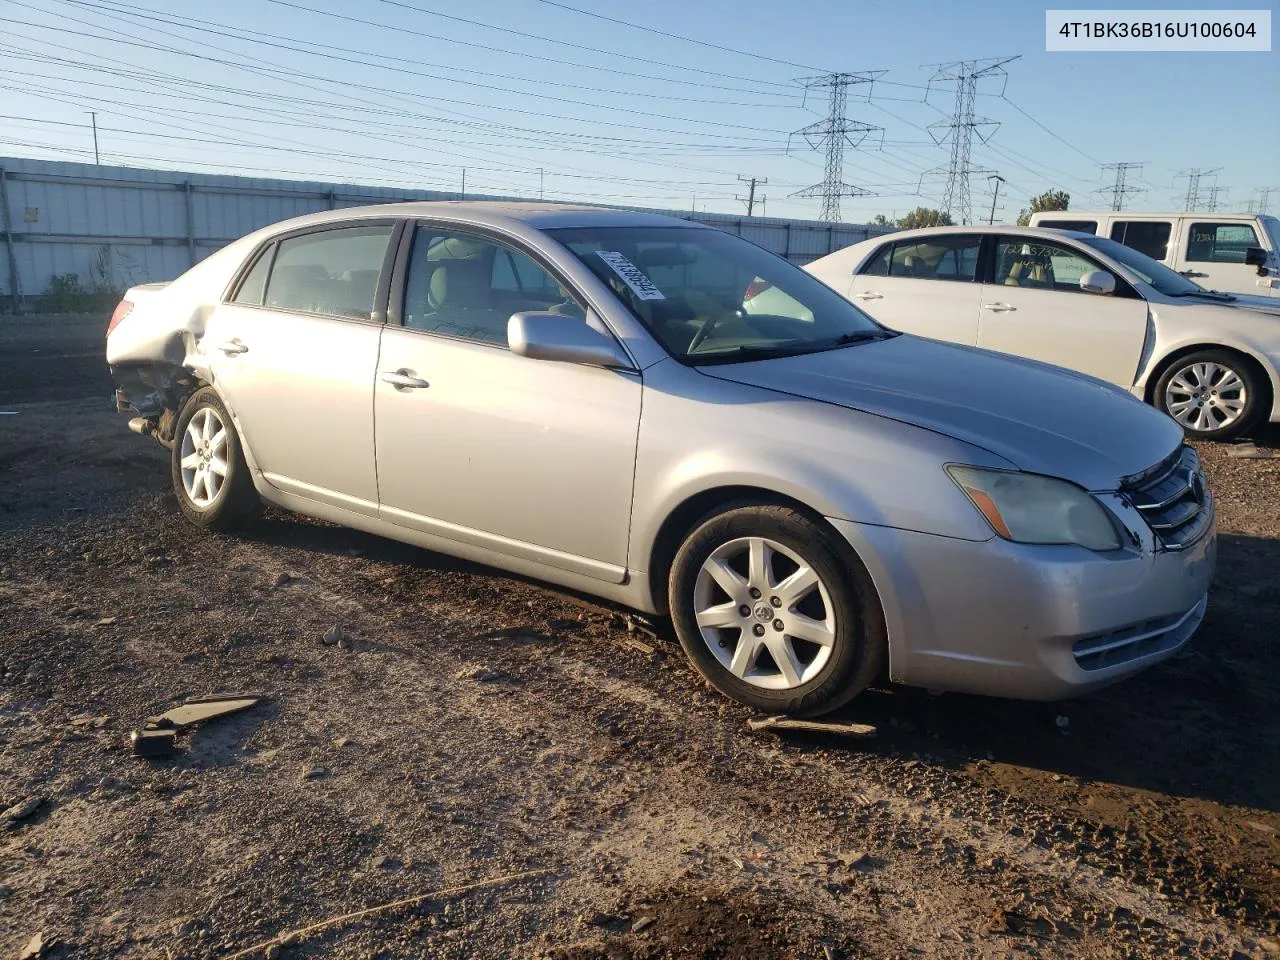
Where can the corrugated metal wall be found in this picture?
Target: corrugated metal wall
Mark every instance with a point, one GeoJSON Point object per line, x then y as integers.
{"type": "Point", "coordinates": [115, 226]}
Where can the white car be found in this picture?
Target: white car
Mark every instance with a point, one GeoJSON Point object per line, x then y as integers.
{"type": "Point", "coordinates": [1232, 252]}
{"type": "Point", "coordinates": [1084, 302]}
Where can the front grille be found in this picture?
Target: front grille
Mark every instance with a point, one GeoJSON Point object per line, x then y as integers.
{"type": "Point", "coordinates": [1173, 499]}
{"type": "Point", "coordinates": [1137, 640]}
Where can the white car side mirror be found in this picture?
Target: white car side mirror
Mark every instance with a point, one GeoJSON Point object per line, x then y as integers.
{"type": "Point", "coordinates": [1098, 281]}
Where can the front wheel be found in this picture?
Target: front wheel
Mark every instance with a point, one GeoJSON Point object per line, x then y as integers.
{"type": "Point", "coordinates": [774, 612]}
{"type": "Point", "coordinates": [210, 477]}
{"type": "Point", "coordinates": [1212, 394]}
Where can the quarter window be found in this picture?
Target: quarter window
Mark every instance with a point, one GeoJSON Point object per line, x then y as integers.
{"type": "Point", "coordinates": [1146, 236]}
{"type": "Point", "coordinates": [332, 272]}
{"type": "Point", "coordinates": [1039, 265]}
{"type": "Point", "coordinates": [469, 286]}
{"type": "Point", "coordinates": [1220, 242]}
{"type": "Point", "coordinates": [255, 281]}
{"type": "Point", "coordinates": [936, 258]}
{"type": "Point", "coordinates": [878, 265]}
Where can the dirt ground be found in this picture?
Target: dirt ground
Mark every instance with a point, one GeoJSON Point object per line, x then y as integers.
{"type": "Point", "coordinates": [476, 726]}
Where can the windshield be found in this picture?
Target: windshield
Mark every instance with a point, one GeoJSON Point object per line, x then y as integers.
{"type": "Point", "coordinates": [1151, 271]}
{"type": "Point", "coordinates": [711, 297]}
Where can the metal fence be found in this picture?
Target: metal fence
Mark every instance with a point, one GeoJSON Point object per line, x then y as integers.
{"type": "Point", "coordinates": [75, 229]}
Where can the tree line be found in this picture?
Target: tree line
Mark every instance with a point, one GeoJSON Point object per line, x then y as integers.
{"type": "Point", "coordinates": [928, 217]}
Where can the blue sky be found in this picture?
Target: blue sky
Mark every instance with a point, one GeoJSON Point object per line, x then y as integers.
{"type": "Point", "coordinates": [614, 113]}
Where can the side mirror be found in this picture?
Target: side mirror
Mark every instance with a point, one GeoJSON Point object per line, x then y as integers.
{"type": "Point", "coordinates": [1098, 281]}
{"type": "Point", "coordinates": [553, 336]}
{"type": "Point", "coordinates": [1256, 257]}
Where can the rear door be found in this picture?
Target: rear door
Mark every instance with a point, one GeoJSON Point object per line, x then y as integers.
{"type": "Point", "coordinates": [1034, 307]}
{"type": "Point", "coordinates": [533, 459]}
{"type": "Point", "coordinates": [293, 352]}
{"type": "Point", "coordinates": [1151, 237]}
{"type": "Point", "coordinates": [1212, 254]}
{"type": "Point", "coordinates": [927, 286]}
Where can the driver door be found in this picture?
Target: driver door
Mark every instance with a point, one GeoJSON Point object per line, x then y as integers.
{"type": "Point", "coordinates": [532, 459]}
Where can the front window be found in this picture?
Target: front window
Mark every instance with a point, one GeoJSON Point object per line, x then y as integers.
{"type": "Point", "coordinates": [1039, 265]}
{"type": "Point", "coordinates": [1146, 236]}
{"type": "Point", "coordinates": [1220, 242]}
{"type": "Point", "coordinates": [1150, 271]}
{"type": "Point", "coordinates": [708, 296]}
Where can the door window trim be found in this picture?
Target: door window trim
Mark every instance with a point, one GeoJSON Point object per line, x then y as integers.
{"type": "Point", "coordinates": [377, 315]}
{"type": "Point", "coordinates": [400, 278]}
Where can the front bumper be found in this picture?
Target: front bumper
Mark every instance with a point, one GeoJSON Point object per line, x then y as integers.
{"type": "Point", "coordinates": [1030, 622]}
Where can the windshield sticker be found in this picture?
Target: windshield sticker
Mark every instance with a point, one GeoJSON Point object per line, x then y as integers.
{"type": "Point", "coordinates": [631, 275]}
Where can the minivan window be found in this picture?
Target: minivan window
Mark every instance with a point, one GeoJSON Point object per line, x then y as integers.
{"type": "Point", "coordinates": [937, 258]}
{"type": "Point", "coordinates": [1081, 226]}
{"type": "Point", "coordinates": [330, 272]}
{"type": "Point", "coordinates": [1146, 236]}
{"type": "Point", "coordinates": [1220, 242]}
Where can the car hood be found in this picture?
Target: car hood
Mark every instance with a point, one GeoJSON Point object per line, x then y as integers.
{"type": "Point", "coordinates": [1040, 418]}
{"type": "Point", "coordinates": [1248, 301]}
{"type": "Point", "coordinates": [1241, 301]}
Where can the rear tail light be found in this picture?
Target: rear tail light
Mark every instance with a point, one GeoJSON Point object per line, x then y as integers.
{"type": "Point", "coordinates": [756, 288]}
{"type": "Point", "coordinates": [123, 308]}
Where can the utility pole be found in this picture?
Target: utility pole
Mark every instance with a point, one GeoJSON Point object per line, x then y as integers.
{"type": "Point", "coordinates": [1192, 199]}
{"type": "Point", "coordinates": [831, 135]}
{"type": "Point", "coordinates": [1212, 205]}
{"type": "Point", "coordinates": [464, 184]}
{"type": "Point", "coordinates": [960, 128]}
{"type": "Point", "coordinates": [541, 182]}
{"type": "Point", "coordinates": [93, 117]}
{"type": "Point", "coordinates": [1119, 190]}
{"type": "Point", "coordinates": [999, 180]}
{"type": "Point", "coordinates": [750, 201]}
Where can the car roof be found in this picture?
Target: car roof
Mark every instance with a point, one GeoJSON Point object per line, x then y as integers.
{"type": "Point", "coordinates": [1146, 214]}
{"type": "Point", "coordinates": [1043, 233]}
{"type": "Point", "coordinates": [539, 216]}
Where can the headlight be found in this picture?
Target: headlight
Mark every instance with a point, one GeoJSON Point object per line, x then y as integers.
{"type": "Point", "coordinates": [1034, 509]}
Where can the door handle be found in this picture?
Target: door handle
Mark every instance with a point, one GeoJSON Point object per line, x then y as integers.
{"type": "Point", "coordinates": [1192, 273]}
{"type": "Point", "coordinates": [868, 295]}
{"type": "Point", "coordinates": [999, 307]}
{"type": "Point", "coordinates": [403, 380]}
{"type": "Point", "coordinates": [232, 347]}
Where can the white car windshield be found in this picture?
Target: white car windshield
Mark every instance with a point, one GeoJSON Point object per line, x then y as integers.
{"type": "Point", "coordinates": [1150, 271]}
{"type": "Point", "coordinates": [711, 297]}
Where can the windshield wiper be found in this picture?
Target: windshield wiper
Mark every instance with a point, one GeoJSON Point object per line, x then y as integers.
{"type": "Point", "coordinates": [1210, 294]}
{"type": "Point", "coordinates": [860, 336]}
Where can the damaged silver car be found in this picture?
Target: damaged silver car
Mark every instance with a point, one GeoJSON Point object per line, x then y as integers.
{"type": "Point", "coordinates": [583, 396]}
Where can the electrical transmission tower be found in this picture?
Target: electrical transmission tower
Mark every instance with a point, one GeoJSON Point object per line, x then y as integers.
{"type": "Point", "coordinates": [832, 135]}
{"type": "Point", "coordinates": [1193, 176]}
{"type": "Point", "coordinates": [1264, 199]}
{"type": "Point", "coordinates": [750, 198]}
{"type": "Point", "coordinates": [961, 128]}
{"type": "Point", "coordinates": [1119, 189]}
{"type": "Point", "coordinates": [1212, 205]}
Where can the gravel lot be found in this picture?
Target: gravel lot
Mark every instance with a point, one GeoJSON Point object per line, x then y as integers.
{"type": "Point", "coordinates": [477, 726]}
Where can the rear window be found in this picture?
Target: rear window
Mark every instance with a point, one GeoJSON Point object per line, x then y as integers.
{"type": "Point", "coordinates": [1146, 236]}
{"type": "Point", "coordinates": [330, 272]}
{"type": "Point", "coordinates": [1082, 226]}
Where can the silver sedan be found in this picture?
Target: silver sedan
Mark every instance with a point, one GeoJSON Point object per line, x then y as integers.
{"type": "Point", "coordinates": [586, 396]}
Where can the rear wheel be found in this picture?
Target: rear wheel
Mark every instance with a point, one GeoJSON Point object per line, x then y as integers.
{"type": "Point", "coordinates": [1212, 394]}
{"type": "Point", "coordinates": [210, 477]}
{"type": "Point", "coordinates": [773, 611]}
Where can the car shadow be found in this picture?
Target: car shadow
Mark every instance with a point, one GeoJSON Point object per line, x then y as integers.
{"type": "Point", "coordinates": [1203, 724]}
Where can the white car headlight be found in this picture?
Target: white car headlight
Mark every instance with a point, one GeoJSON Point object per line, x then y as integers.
{"type": "Point", "coordinates": [1029, 508]}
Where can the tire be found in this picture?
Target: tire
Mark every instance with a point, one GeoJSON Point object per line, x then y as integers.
{"type": "Point", "coordinates": [781, 671]}
{"type": "Point", "coordinates": [1188, 392]}
{"type": "Point", "coordinates": [220, 503]}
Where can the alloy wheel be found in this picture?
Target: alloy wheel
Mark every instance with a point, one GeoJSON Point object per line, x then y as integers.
{"type": "Point", "coordinates": [1206, 396]}
{"type": "Point", "coordinates": [204, 457]}
{"type": "Point", "coordinates": [764, 613]}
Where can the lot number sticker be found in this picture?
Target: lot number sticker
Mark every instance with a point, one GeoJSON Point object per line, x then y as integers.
{"type": "Point", "coordinates": [631, 275]}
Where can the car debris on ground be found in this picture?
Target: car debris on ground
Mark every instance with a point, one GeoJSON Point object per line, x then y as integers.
{"type": "Point", "coordinates": [157, 736]}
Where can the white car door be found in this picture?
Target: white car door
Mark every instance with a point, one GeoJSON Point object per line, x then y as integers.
{"type": "Point", "coordinates": [1036, 309]}
{"type": "Point", "coordinates": [529, 458]}
{"type": "Point", "coordinates": [925, 285]}
{"type": "Point", "coordinates": [293, 353]}
{"type": "Point", "coordinates": [1212, 255]}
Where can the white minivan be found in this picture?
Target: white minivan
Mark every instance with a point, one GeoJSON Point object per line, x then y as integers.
{"type": "Point", "coordinates": [1231, 252]}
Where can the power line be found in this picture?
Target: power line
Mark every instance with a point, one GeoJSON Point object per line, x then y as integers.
{"type": "Point", "coordinates": [1120, 189]}
{"type": "Point", "coordinates": [676, 36]}
{"type": "Point", "coordinates": [831, 135]}
{"type": "Point", "coordinates": [1194, 176]}
{"type": "Point", "coordinates": [1055, 136]}
{"type": "Point", "coordinates": [962, 126]}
